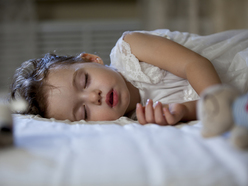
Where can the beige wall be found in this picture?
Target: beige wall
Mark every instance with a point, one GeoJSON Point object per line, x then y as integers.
{"type": "Point", "coordinates": [213, 15]}
{"type": "Point", "coordinates": [87, 10]}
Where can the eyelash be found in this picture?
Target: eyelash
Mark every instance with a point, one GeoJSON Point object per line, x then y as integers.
{"type": "Point", "coordinates": [85, 113]}
{"type": "Point", "coordinates": [85, 86]}
{"type": "Point", "coordinates": [86, 80]}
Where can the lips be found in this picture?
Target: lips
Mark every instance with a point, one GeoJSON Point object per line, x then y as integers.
{"type": "Point", "coordinates": [112, 98]}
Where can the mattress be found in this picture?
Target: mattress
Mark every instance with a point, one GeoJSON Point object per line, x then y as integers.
{"type": "Point", "coordinates": [119, 153]}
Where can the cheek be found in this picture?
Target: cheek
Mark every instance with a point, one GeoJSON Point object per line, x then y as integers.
{"type": "Point", "coordinates": [109, 76]}
{"type": "Point", "coordinates": [105, 115]}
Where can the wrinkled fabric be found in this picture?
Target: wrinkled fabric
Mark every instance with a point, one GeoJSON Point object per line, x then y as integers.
{"type": "Point", "coordinates": [53, 153]}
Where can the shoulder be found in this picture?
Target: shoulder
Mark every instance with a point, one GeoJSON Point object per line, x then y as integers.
{"type": "Point", "coordinates": [130, 35]}
{"type": "Point", "coordinates": [134, 36]}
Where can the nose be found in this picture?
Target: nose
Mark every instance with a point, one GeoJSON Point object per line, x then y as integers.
{"type": "Point", "coordinates": [93, 96]}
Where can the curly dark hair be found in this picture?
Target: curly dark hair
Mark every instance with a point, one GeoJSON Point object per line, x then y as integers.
{"type": "Point", "coordinates": [29, 81]}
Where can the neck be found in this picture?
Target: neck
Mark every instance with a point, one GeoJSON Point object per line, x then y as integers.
{"type": "Point", "coordinates": [134, 97]}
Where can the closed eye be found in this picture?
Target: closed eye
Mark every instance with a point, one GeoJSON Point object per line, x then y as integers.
{"type": "Point", "coordinates": [81, 113]}
{"type": "Point", "coordinates": [85, 113]}
{"type": "Point", "coordinates": [81, 79]}
{"type": "Point", "coordinates": [86, 80]}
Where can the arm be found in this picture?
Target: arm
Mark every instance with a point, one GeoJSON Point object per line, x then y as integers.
{"type": "Point", "coordinates": [178, 60]}
{"type": "Point", "coordinates": [174, 58]}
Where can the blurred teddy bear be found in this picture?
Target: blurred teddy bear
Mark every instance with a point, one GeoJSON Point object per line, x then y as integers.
{"type": "Point", "coordinates": [221, 108]}
{"type": "Point", "coordinates": [6, 121]}
{"type": "Point", "coordinates": [6, 126]}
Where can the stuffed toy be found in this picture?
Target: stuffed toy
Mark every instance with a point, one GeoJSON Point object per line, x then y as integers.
{"type": "Point", "coordinates": [6, 121]}
{"type": "Point", "coordinates": [222, 109]}
{"type": "Point", "coordinates": [6, 133]}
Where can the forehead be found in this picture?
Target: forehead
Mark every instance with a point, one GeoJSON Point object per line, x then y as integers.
{"type": "Point", "coordinates": [72, 67]}
{"type": "Point", "coordinates": [60, 71]}
{"type": "Point", "coordinates": [60, 90]}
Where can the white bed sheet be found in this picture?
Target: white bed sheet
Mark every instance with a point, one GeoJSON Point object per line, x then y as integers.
{"type": "Point", "coordinates": [122, 152]}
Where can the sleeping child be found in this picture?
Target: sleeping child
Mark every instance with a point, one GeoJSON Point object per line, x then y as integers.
{"type": "Point", "coordinates": [154, 77]}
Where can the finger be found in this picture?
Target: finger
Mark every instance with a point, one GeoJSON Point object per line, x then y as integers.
{"type": "Point", "coordinates": [149, 112]}
{"type": "Point", "coordinates": [159, 115]}
{"type": "Point", "coordinates": [140, 114]}
{"type": "Point", "coordinates": [170, 117]}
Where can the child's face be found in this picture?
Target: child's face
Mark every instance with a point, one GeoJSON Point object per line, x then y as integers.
{"type": "Point", "coordinates": [86, 91]}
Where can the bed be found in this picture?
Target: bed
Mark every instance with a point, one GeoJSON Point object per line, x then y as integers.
{"type": "Point", "coordinates": [124, 153]}
{"type": "Point", "coordinates": [118, 153]}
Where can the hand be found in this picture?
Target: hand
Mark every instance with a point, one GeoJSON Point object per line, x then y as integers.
{"type": "Point", "coordinates": [160, 114]}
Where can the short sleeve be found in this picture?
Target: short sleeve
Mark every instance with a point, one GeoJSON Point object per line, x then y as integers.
{"type": "Point", "coordinates": [130, 67]}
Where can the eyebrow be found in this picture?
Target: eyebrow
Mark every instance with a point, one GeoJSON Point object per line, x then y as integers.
{"type": "Point", "coordinates": [75, 108]}
{"type": "Point", "coordinates": [74, 79]}
{"type": "Point", "coordinates": [74, 83]}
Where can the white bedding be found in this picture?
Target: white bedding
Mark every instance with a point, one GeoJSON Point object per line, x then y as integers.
{"type": "Point", "coordinates": [122, 152]}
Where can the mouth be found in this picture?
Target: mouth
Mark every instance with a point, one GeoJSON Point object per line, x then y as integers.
{"type": "Point", "coordinates": [112, 98]}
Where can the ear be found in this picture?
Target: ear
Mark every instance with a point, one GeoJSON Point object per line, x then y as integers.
{"type": "Point", "coordinates": [91, 58]}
